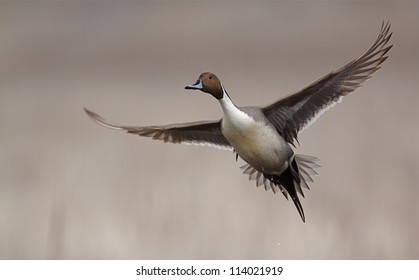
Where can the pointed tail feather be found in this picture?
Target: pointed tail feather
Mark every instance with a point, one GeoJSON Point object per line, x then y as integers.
{"type": "Point", "coordinates": [291, 182]}
{"type": "Point", "coordinates": [288, 182]}
{"type": "Point", "coordinates": [300, 209]}
{"type": "Point", "coordinates": [299, 174]}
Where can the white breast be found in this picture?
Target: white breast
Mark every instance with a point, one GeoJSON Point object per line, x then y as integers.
{"type": "Point", "coordinates": [258, 144]}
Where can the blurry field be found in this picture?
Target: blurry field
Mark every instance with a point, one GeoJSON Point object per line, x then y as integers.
{"type": "Point", "coordinates": [70, 189]}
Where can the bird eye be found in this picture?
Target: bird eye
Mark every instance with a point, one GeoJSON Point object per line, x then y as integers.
{"type": "Point", "coordinates": [210, 77]}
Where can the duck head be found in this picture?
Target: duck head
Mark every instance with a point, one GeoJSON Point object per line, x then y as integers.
{"type": "Point", "coordinates": [209, 83]}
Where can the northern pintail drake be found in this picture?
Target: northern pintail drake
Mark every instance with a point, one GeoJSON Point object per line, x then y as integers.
{"type": "Point", "coordinates": [263, 136]}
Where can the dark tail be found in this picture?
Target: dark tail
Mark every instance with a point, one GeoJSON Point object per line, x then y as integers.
{"type": "Point", "coordinates": [298, 174]}
{"type": "Point", "coordinates": [290, 180]}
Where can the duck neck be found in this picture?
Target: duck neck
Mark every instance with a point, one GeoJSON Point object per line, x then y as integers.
{"type": "Point", "coordinates": [229, 109]}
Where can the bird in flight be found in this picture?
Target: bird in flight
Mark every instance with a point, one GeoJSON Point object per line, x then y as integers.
{"type": "Point", "coordinates": [263, 136]}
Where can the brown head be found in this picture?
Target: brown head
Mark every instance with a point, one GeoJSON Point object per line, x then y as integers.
{"type": "Point", "coordinates": [209, 83]}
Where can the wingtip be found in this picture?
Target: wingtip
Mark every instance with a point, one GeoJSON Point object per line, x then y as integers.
{"type": "Point", "coordinates": [88, 112]}
{"type": "Point", "coordinates": [99, 120]}
{"type": "Point", "coordinates": [92, 115]}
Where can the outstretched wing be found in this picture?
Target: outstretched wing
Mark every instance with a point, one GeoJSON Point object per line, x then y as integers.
{"type": "Point", "coordinates": [298, 111]}
{"type": "Point", "coordinates": [203, 133]}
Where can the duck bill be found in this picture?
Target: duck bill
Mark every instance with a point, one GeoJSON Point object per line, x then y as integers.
{"type": "Point", "coordinates": [196, 85]}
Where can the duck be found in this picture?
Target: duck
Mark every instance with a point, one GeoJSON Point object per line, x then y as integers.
{"type": "Point", "coordinates": [265, 137]}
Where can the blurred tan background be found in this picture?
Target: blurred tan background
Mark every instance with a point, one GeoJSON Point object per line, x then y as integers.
{"type": "Point", "coordinates": [73, 190]}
